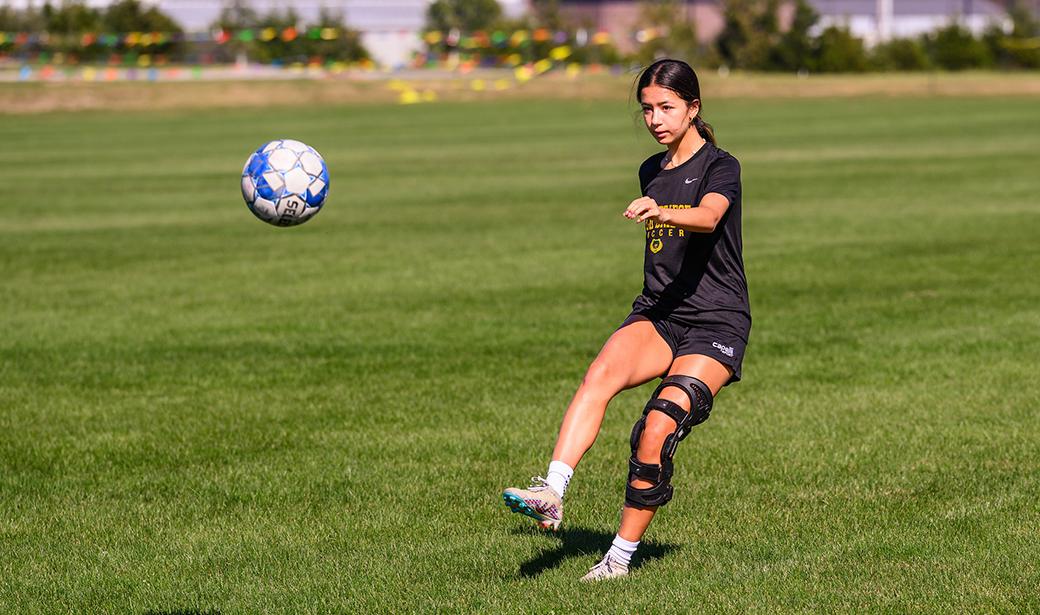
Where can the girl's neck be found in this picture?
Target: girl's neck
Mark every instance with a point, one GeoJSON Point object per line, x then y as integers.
{"type": "Point", "coordinates": [682, 151]}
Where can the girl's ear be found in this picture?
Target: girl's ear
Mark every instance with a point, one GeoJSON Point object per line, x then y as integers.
{"type": "Point", "coordinates": [695, 109]}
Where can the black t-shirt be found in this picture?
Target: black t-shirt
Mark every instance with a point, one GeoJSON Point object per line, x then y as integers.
{"type": "Point", "coordinates": [695, 278]}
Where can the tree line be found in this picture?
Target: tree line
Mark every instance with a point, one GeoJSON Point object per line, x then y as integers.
{"type": "Point", "coordinates": [83, 33]}
{"type": "Point", "coordinates": [752, 38]}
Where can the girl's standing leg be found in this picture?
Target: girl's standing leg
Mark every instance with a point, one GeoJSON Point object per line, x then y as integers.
{"type": "Point", "coordinates": [635, 520]}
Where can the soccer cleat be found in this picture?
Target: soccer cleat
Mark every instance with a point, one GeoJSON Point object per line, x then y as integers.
{"type": "Point", "coordinates": [607, 568]}
{"type": "Point", "coordinates": [539, 502]}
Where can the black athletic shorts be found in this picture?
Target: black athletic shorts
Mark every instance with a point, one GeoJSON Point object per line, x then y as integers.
{"type": "Point", "coordinates": [722, 343]}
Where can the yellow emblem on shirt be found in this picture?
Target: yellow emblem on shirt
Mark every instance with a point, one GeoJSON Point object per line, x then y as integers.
{"type": "Point", "coordinates": [656, 231]}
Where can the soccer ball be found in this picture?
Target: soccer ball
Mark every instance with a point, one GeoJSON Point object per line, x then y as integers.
{"type": "Point", "coordinates": [285, 182]}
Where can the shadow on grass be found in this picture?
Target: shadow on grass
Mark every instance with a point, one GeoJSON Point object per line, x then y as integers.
{"type": "Point", "coordinates": [579, 542]}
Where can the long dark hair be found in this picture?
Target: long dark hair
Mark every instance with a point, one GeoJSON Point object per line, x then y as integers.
{"type": "Point", "coordinates": [678, 77]}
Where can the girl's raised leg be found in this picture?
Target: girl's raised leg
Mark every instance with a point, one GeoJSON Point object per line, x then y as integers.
{"type": "Point", "coordinates": [634, 354]}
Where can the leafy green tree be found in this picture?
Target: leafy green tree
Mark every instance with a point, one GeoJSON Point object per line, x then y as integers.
{"type": "Point", "coordinates": [345, 47]}
{"type": "Point", "coordinates": [132, 16]}
{"type": "Point", "coordinates": [236, 16]}
{"type": "Point", "coordinates": [26, 20]}
{"type": "Point", "coordinates": [838, 51]}
{"type": "Point", "coordinates": [953, 47]}
{"type": "Point", "coordinates": [246, 27]}
{"type": "Point", "coordinates": [737, 32]}
{"type": "Point", "coordinates": [1024, 23]}
{"type": "Point", "coordinates": [794, 51]}
{"type": "Point", "coordinates": [276, 49]}
{"type": "Point", "coordinates": [71, 18]}
{"type": "Point", "coordinates": [749, 35]}
{"type": "Point", "coordinates": [680, 33]}
{"type": "Point", "coordinates": [67, 23]}
{"type": "Point", "coordinates": [1019, 48]}
{"type": "Point", "coordinates": [8, 18]}
{"type": "Point", "coordinates": [464, 15]}
{"type": "Point", "coordinates": [900, 54]}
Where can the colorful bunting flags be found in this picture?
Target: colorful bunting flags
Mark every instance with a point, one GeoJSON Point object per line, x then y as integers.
{"type": "Point", "coordinates": [453, 38]}
{"type": "Point", "coordinates": [527, 53]}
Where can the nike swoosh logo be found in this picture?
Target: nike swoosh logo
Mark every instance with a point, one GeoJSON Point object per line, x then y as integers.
{"type": "Point", "coordinates": [690, 181]}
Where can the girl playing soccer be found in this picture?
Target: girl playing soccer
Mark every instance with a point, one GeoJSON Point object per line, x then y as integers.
{"type": "Point", "coordinates": [689, 325]}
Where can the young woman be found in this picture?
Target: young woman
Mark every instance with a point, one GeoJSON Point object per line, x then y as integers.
{"type": "Point", "coordinates": [689, 325]}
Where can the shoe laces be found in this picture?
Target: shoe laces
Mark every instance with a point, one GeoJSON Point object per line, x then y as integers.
{"type": "Point", "coordinates": [608, 565]}
{"type": "Point", "coordinates": [538, 484]}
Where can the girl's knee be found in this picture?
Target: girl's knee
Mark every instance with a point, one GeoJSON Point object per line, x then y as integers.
{"type": "Point", "coordinates": [658, 427]}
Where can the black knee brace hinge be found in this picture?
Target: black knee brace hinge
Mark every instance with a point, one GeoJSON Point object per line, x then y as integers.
{"type": "Point", "coordinates": [661, 474]}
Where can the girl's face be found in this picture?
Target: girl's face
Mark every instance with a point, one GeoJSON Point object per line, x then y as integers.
{"type": "Point", "coordinates": [667, 116]}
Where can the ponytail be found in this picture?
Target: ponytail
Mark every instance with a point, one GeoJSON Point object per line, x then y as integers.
{"type": "Point", "coordinates": [705, 129]}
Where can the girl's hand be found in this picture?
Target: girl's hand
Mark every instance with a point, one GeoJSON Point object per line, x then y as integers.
{"type": "Point", "coordinates": [645, 208]}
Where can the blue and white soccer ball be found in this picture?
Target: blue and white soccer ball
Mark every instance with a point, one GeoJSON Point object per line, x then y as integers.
{"type": "Point", "coordinates": [285, 182]}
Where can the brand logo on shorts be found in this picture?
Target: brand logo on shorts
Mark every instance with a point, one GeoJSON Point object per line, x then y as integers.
{"type": "Point", "coordinates": [726, 350]}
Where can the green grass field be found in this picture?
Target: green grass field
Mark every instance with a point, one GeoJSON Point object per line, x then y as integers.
{"type": "Point", "coordinates": [202, 413]}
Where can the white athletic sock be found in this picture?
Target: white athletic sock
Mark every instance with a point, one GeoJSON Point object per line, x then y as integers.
{"type": "Point", "coordinates": [559, 476]}
{"type": "Point", "coordinates": [623, 550]}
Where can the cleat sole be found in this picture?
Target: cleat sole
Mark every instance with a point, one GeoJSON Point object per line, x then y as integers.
{"type": "Point", "coordinates": [518, 505]}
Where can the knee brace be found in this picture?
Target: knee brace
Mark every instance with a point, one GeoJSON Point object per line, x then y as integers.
{"type": "Point", "coordinates": [660, 492]}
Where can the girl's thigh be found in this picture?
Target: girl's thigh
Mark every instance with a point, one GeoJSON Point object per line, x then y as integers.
{"type": "Point", "coordinates": [704, 368]}
{"type": "Point", "coordinates": [636, 353]}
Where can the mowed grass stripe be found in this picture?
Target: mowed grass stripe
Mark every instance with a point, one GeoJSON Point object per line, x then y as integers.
{"type": "Point", "coordinates": [202, 412]}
